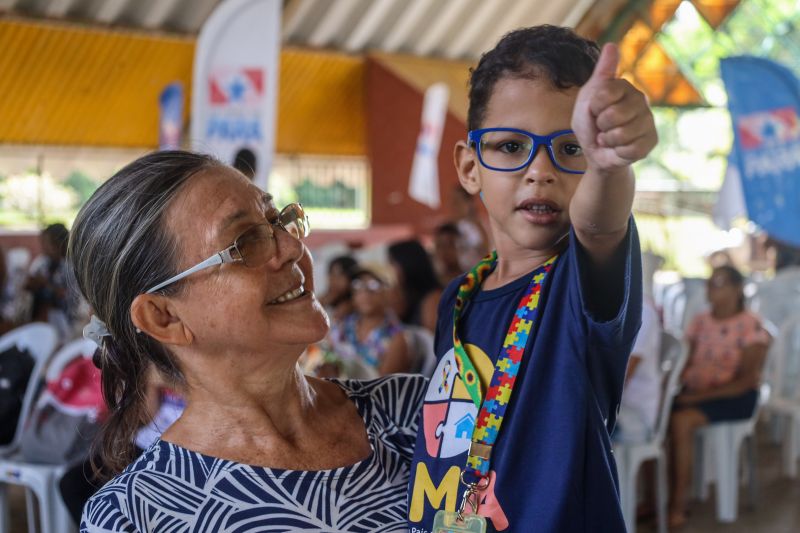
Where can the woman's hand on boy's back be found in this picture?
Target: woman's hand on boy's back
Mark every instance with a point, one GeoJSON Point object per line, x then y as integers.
{"type": "Point", "coordinates": [612, 119]}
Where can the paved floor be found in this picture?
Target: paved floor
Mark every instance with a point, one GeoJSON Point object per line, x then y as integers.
{"type": "Point", "coordinates": [777, 509]}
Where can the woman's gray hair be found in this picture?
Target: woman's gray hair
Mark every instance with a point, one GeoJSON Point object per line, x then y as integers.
{"type": "Point", "coordinates": [119, 246]}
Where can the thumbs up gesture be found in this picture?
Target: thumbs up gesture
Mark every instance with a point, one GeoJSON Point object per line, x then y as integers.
{"type": "Point", "coordinates": [612, 119]}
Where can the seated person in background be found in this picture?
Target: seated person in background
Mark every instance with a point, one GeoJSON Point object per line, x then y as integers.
{"type": "Point", "coordinates": [728, 346]}
{"type": "Point", "coordinates": [641, 395]}
{"type": "Point", "coordinates": [447, 251]}
{"type": "Point", "coordinates": [415, 295]}
{"type": "Point", "coordinates": [371, 336]}
{"type": "Point", "coordinates": [473, 232]}
{"type": "Point", "coordinates": [7, 322]}
{"type": "Point", "coordinates": [53, 300]}
{"type": "Point", "coordinates": [191, 268]}
{"type": "Point", "coordinates": [81, 481]}
{"type": "Point", "coordinates": [338, 300]}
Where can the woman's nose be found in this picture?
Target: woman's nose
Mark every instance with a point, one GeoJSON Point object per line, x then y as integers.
{"type": "Point", "coordinates": [288, 248]}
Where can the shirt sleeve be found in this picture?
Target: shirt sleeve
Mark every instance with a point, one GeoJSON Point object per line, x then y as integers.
{"type": "Point", "coordinates": [694, 327]}
{"type": "Point", "coordinates": [103, 515]}
{"type": "Point", "coordinates": [399, 397]}
{"type": "Point", "coordinates": [754, 332]}
{"type": "Point", "coordinates": [609, 328]}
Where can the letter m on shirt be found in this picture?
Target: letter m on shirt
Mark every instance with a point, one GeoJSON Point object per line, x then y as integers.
{"type": "Point", "coordinates": [424, 488]}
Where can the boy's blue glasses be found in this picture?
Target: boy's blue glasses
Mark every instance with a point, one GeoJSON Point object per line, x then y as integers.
{"type": "Point", "coordinates": [510, 149]}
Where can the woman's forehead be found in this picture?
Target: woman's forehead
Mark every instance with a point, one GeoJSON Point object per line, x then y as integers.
{"type": "Point", "coordinates": [216, 203]}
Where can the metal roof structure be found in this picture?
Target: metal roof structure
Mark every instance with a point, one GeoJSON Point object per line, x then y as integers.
{"type": "Point", "coordinates": [85, 72]}
{"type": "Point", "coordinates": [459, 29]}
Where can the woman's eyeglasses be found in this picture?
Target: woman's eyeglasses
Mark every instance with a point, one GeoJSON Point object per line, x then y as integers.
{"type": "Point", "coordinates": [254, 247]}
{"type": "Point", "coordinates": [369, 285]}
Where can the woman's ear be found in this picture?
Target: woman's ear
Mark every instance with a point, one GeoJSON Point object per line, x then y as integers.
{"type": "Point", "coordinates": [466, 162]}
{"type": "Point", "coordinates": [155, 315]}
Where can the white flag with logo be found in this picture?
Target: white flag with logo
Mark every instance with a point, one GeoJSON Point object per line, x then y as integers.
{"type": "Point", "coordinates": [424, 183]}
{"type": "Point", "coordinates": [235, 83]}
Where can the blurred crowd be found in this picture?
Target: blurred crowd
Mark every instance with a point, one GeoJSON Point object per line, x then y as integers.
{"type": "Point", "coordinates": [40, 290]}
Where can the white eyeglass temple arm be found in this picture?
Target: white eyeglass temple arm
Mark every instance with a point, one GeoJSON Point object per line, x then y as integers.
{"type": "Point", "coordinates": [216, 259]}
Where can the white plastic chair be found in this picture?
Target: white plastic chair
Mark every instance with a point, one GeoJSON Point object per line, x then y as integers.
{"type": "Point", "coordinates": [682, 302]}
{"type": "Point", "coordinates": [42, 479]}
{"type": "Point", "coordinates": [784, 403]}
{"type": "Point", "coordinates": [778, 298]}
{"type": "Point", "coordinates": [722, 443]}
{"type": "Point", "coordinates": [631, 455]}
{"type": "Point", "coordinates": [40, 341]}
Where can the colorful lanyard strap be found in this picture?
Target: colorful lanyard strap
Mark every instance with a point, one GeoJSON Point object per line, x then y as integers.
{"type": "Point", "coordinates": [493, 407]}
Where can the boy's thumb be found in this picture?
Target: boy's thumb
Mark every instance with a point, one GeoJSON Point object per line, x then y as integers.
{"type": "Point", "coordinates": [607, 63]}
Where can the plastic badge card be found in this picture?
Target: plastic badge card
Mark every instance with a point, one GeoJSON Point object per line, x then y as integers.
{"type": "Point", "coordinates": [447, 522]}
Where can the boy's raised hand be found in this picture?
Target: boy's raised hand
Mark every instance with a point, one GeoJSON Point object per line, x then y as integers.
{"type": "Point", "coordinates": [611, 118]}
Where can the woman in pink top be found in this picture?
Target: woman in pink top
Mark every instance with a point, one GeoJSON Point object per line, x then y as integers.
{"type": "Point", "coordinates": [722, 375]}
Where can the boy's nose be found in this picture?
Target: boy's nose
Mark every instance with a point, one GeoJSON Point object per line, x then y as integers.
{"type": "Point", "coordinates": [541, 169]}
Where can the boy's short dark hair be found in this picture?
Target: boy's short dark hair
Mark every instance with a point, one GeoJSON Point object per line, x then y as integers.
{"type": "Point", "coordinates": [551, 52]}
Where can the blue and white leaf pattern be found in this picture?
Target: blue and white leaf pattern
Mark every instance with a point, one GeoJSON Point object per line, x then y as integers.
{"type": "Point", "coordinates": [170, 489]}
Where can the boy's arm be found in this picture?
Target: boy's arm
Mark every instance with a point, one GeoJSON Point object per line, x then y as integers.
{"type": "Point", "coordinates": [615, 128]}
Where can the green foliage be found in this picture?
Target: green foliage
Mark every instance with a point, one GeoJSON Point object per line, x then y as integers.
{"type": "Point", "coordinates": [694, 143]}
{"type": "Point", "coordinates": [83, 185]}
{"type": "Point", "coordinates": [336, 195]}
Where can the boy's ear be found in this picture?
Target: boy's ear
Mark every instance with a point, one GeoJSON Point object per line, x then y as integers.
{"type": "Point", "coordinates": [155, 315]}
{"type": "Point", "coordinates": [466, 161]}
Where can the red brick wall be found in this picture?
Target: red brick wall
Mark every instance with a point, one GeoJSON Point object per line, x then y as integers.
{"type": "Point", "coordinates": [393, 115]}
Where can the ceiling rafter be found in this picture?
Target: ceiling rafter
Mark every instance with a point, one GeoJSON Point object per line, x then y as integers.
{"type": "Point", "coordinates": [369, 24]}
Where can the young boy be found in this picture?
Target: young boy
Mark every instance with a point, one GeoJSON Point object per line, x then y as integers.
{"type": "Point", "coordinates": [552, 137]}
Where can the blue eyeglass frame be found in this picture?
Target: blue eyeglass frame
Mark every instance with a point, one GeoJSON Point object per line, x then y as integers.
{"type": "Point", "coordinates": [474, 137]}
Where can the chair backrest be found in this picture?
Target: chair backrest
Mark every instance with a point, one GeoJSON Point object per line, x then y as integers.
{"type": "Point", "coordinates": [778, 298]}
{"type": "Point", "coordinates": [40, 341]}
{"type": "Point", "coordinates": [69, 352]}
{"type": "Point", "coordinates": [420, 346]}
{"type": "Point", "coordinates": [783, 366]}
{"type": "Point", "coordinates": [682, 301]}
{"type": "Point", "coordinates": [674, 354]}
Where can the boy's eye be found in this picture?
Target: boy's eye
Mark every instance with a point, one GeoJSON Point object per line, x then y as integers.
{"type": "Point", "coordinates": [510, 147]}
{"type": "Point", "coordinates": [572, 149]}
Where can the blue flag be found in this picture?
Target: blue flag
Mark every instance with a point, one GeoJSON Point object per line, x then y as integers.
{"type": "Point", "coordinates": [170, 125]}
{"type": "Point", "coordinates": [764, 98]}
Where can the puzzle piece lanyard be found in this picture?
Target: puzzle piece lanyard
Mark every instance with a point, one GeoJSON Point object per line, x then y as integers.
{"type": "Point", "coordinates": [493, 407]}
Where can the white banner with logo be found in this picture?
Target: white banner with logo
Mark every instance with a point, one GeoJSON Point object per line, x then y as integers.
{"type": "Point", "coordinates": [235, 83]}
{"type": "Point", "coordinates": [424, 183]}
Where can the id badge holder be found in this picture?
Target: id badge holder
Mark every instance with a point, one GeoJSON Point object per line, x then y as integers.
{"type": "Point", "coordinates": [448, 522]}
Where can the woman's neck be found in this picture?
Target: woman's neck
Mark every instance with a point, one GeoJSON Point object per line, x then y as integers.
{"type": "Point", "coordinates": [725, 311]}
{"type": "Point", "coordinates": [270, 403]}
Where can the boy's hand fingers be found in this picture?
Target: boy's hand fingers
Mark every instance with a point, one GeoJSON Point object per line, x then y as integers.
{"type": "Point", "coordinates": [607, 64]}
{"type": "Point", "coordinates": [624, 135]}
{"type": "Point", "coordinates": [617, 115]}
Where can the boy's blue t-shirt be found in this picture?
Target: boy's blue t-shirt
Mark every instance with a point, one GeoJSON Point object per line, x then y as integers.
{"type": "Point", "coordinates": [552, 467]}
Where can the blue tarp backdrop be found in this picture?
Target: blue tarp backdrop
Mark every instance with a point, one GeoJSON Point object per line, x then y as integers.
{"type": "Point", "coordinates": [764, 99]}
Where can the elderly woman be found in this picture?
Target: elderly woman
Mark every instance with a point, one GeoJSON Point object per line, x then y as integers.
{"type": "Point", "coordinates": [192, 268]}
